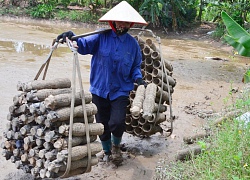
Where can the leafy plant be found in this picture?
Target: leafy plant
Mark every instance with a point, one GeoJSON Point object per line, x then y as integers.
{"type": "Point", "coordinates": [246, 77]}
{"type": "Point", "coordinates": [239, 38]}
{"type": "Point", "coordinates": [65, 3]}
{"type": "Point", "coordinates": [42, 11]}
{"type": "Point", "coordinates": [152, 10]}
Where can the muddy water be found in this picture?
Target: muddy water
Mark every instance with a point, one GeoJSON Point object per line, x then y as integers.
{"type": "Point", "coordinates": [202, 87]}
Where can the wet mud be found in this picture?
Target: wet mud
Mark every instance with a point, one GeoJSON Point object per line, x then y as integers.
{"type": "Point", "coordinates": [203, 88]}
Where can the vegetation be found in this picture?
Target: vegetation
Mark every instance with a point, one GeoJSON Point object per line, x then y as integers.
{"type": "Point", "coordinates": [238, 38]}
{"type": "Point", "coordinates": [228, 155]}
{"type": "Point", "coordinates": [225, 154]}
{"type": "Point", "coordinates": [175, 15]}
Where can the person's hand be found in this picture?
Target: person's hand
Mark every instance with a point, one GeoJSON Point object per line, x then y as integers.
{"type": "Point", "coordinates": [68, 34]}
{"type": "Point", "coordinates": [140, 81]}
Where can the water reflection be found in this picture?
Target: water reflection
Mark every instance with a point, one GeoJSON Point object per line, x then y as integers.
{"type": "Point", "coordinates": [35, 49]}
{"type": "Point", "coordinates": [19, 47]}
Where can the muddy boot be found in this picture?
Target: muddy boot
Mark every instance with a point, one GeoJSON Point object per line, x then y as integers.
{"type": "Point", "coordinates": [117, 158]}
{"type": "Point", "coordinates": [106, 156]}
{"type": "Point", "coordinates": [116, 151]}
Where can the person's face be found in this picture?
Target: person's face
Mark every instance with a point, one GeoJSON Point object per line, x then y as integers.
{"type": "Point", "coordinates": [122, 27]}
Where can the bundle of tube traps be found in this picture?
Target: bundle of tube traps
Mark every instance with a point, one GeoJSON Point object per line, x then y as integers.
{"type": "Point", "coordinates": [38, 130]}
{"type": "Point", "coordinates": [148, 106]}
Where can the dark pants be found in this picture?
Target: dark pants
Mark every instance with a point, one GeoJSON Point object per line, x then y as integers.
{"type": "Point", "coordinates": [112, 115]}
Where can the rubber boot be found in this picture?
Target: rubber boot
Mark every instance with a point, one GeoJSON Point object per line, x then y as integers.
{"type": "Point", "coordinates": [116, 140]}
{"type": "Point", "coordinates": [116, 150]}
{"type": "Point", "coordinates": [106, 146]}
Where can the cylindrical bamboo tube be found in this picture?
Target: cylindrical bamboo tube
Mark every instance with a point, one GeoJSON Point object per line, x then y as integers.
{"type": "Point", "coordinates": [40, 95]}
{"type": "Point", "coordinates": [148, 78]}
{"type": "Point", "coordinates": [142, 121]}
{"type": "Point", "coordinates": [149, 69]}
{"type": "Point", "coordinates": [157, 64]}
{"type": "Point", "coordinates": [195, 137]}
{"type": "Point", "coordinates": [134, 123]}
{"type": "Point", "coordinates": [160, 108]}
{"type": "Point", "coordinates": [155, 55]}
{"type": "Point", "coordinates": [159, 73]}
{"type": "Point", "coordinates": [149, 61]}
{"type": "Point", "coordinates": [142, 46]}
{"type": "Point", "coordinates": [157, 119]}
{"type": "Point", "coordinates": [79, 129]}
{"type": "Point", "coordinates": [151, 44]}
{"type": "Point", "coordinates": [62, 143]}
{"type": "Point", "coordinates": [63, 114]}
{"type": "Point", "coordinates": [147, 51]}
{"type": "Point", "coordinates": [150, 129]}
{"type": "Point", "coordinates": [138, 131]}
{"type": "Point", "coordinates": [136, 116]}
{"type": "Point", "coordinates": [128, 119]}
{"type": "Point", "coordinates": [20, 99]}
{"type": "Point", "coordinates": [63, 100]}
{"type": "Point", "coordinates": [149, 101]}
{"type": "Point", "coordinates": [79, 152]}
{"type": "Point", "coordinates": [139, 39]}
{"type": "Point", "coordinates": [81, 163]}
{"type": "Point", "coordinates": [162, 94]}
{"type": "Point", "coordinates": [138, 101]}
{"type": "Point", "coordinates": [160, 83]}
{"type": "Point", "coordinates": [168, 66]}
{"type": "Point", "coordinates": [187, 153]}
{"type": "Point", "coordinates": [129, 129]}
{"type": "Point", "coordinates": [46, 84]}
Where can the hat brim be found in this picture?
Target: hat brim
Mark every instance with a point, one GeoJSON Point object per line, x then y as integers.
{"type": "Point", "coordinates": [123, 12]}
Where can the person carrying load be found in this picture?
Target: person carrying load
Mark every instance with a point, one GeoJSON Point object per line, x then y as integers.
{"type": "Point", "coordinates": [115, 67]}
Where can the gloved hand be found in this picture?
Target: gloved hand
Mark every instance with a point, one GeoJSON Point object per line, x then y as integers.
{"type": "Point", "coordinates": [140, 81]}
{"type": "Point", "coordinates": [68, 34]}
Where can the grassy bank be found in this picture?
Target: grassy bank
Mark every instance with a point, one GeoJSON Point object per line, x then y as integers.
{"type": "Point", "coordinates": [83, 15]}
{"type": "Point", "coordinates": [226, 157]}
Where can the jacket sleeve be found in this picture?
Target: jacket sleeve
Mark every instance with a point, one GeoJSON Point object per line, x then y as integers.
{"type": "Point", "coordinates": [88, 45]}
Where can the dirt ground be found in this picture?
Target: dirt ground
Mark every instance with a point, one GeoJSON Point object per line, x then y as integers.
{"type": "Point", "coordinates": [203, 88]}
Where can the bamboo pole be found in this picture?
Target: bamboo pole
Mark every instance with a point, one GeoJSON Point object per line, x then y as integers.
{"type": "Point", "coordinates": [137, 103]}
{"type": "Point", "coordinates": [63, 100]}
{"type": "Point", "coordinates": [195, 137]}
{"type": "Point", "coordinates": [81, 163]}
{"type": "Point", "coordinates": [46, 84]}
{"type": "Point", "coordinates": [42, 94]}
{"type": "Point", "coordinates": [79, 129]}
{"type": "Point", "coordinates": [63, 114]}
{"type": "Point", "coordinates": [149, 101]}
{"type": "Point", "coordinates": [79, 152]}
{"type": "Point", "coordinates": [187, 153]}
{"type": "Point", "coordinates": [62, 143]}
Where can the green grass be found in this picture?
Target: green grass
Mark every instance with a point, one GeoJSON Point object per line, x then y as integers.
{"type": "Point", "coordinates": [75, 16]}
{"type": "Point", "coordinates": [227, 158]}
{"type": "Point", "coordinates": [47, 12]}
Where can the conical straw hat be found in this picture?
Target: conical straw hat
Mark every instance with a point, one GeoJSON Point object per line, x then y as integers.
{"type": "Point", "coordinates": [123, 12]}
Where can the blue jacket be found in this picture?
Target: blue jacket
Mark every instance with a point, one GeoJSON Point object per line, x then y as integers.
{"type": "Point", "coordinates": [115, 64]}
